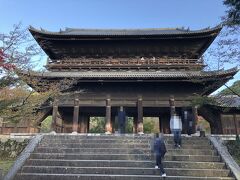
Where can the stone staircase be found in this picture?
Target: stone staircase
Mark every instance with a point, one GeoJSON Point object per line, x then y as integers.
{"type": "Point", "coordinates": [112, 157]}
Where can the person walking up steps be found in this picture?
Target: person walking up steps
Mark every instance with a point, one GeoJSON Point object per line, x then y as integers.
{"type": "Point", "coordinates": [176, 129]}
{"type": "Point", "coordinates": [160, 150]}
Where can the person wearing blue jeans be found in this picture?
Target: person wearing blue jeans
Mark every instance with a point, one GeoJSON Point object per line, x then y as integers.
{"type": "Point", "coordinates": [160, 150]}
{"type": "Point", "coordinates": [177, 138]}
{"type": "Point", "coordinates": [176, 129]}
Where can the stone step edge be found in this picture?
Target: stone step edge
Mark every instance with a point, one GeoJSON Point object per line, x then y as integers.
{"type": "Point", "coordinates": [116, 175]}
{"type": "Point", "coordinates": [138, 161]}
{"type": "Point", "coordinates": [119, 154]}
{"type": "Point", "coordinates": [119, 139]}
{"type": "Point", "coordinates": [130, 148]}
{"type": "Point", "coordinates": [123, 168]}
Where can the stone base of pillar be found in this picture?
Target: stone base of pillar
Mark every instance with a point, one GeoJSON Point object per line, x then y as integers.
{"type": "Point", "coordinates": [140, 128]}
{"type": "Point", "coordinates": [108, 128]}
{"type": "Point", "coordinates": [74, 133]}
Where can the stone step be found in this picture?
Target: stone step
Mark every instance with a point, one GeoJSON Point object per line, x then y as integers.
{"type": "Point", "coordinates": [73, 137]}
{"type": "Point", "coordinates": [97, 137]}
{"type": "Point", "coordinates": [94, 145]}
{"type": "Point", "coordinates": [96, 141]}
{"type": "Point", "coordinates": [89, 163]}
{"type": "Point", "coordinates": [193, 158]}
{"type": "Point", "coordinates": [194, 165]}
{"type": "Point", "coordinates": [125, 171]}
{"type": "Point", "coordinates": [119, 141]}
{"type": "Point", "coordinates": [123, 163]}
{"type": "Point", "coordinates": [90, 156]}
{"type": "Point", "coordinates": [122, 145]}
{"type": "Point", "coordinates": [123, 151]}
{"type": "Point", "coordinates": [191, 152]}
{"type": "Point", "coordinates": [55, 137]}
{"type": "Point", "coordinates": [199, 158]}
{"type": "Point", "coordinates": [42, 176]}
{"type": "Point", "coordinates": [95, 150]}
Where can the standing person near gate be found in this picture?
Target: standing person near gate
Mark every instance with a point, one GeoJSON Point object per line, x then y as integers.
{"type": "Point", "coordinates": [160, 150]}
{"type": "Point", "coordinates": [176, 129]}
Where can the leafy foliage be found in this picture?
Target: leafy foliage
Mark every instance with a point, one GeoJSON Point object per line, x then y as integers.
{"type": "Point", "coordinates": [226, 49]}
{"type": "Point", "coordinates": [46, 125]}
{"type": "Point", "coordinates": [233, 13]}
{"type": "Point", "coordinates": [233, 148]}
{"type": "Point", "coordinates": [17, 50]}
{"type": "Point", "coordinates": [18, 104]}
{"type": "Point", "coordinates": [202, 100]}
{"type": "Point", "coordinates": [150, 125]}
{"type": "Point", "coordinates": [97, 125]}
{"type": "Point", "coordinates": [234, 88]}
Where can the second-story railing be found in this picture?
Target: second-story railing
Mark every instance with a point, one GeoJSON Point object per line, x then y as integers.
{"type": "Point", "coordinates": [125, 63]}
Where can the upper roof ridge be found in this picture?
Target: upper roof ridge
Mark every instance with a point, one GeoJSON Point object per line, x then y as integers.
{"type": "Point", "coordinates": [123, 31]}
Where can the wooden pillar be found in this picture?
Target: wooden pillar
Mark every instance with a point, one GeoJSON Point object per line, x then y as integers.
{"type": "Point", "coordinates": [172, 105]}
{"type": "Point", "coordinates": [108, 125]}
{"type": "Point", "coordinates": [135, 124]}
{"type": "Point", "coordinates": [140, 116]}
{"type": "Point", "coordinates": [195, 118]}
{"type": "Point", "coordinates": [82, 123]}
{"type": "Point", "coordinates": [88, 124]}
{"type": "Point", "coordinates": [160, 123]}
{"type": "Point", "coordinates": [113, 123]}
{"type": "Point", "coordinates": [75, 115]}
{"type": "Point", "coordinates": [54, 114]}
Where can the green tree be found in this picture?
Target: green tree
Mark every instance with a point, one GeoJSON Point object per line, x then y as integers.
{"type": "Point", "coordinates": [232, 90]}
{"type": "Point", "coordinates": [232, 16]}
{"type": "Point", "coordinates": [97, 125]}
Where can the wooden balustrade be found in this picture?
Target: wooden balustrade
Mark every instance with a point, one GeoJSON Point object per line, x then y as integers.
{"type": "Point", "coordinates": [121, 63]}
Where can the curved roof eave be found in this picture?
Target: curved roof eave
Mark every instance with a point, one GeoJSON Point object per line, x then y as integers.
{"type": "Point", "coordinates": [70, 32]}
{"type": "Point", "coordinates": [187, 75]}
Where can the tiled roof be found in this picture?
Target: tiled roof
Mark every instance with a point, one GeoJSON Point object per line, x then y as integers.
{"type": "Point", "coordinates": [125, 32]}
{"type": "Point", "coordinates": [135, 74]}
{"type": "Point", "coordinates": [228, 101]}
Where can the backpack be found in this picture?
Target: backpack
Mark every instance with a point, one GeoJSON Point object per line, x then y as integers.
{"type": "Point", "coordinates": [159, 147]}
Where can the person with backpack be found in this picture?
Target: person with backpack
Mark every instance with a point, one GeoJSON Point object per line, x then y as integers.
{"type": "Point", "coordinates": [160, 151]}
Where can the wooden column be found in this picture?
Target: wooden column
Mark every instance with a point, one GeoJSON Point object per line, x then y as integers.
{"type": "Point", "coordinates": [140, 116]}
{"type": "Point", "coordinates": [54, 114]}
{"type": "Point", "coordinates": [160, 123]}
{"type": "Point", "coordinates": [135, 124]}
{"type": "Point", "coordinates": [172, 105]}
{"type": "Point", "coordinates": [75, 115]}
{"type": "Point", "coordinates": [88, 124]}
{"type": "Point", "coordinates": [195, 118]}
{"type": "Point", "coordinates": [108, 125]}
{"type": "Point", "coordinates": [82, 123]}
{"type": "Point", "coordinates": [113, 123]}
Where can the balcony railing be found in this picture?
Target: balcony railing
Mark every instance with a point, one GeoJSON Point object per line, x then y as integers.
{"type": "Point", "coordinates": [124, 63]}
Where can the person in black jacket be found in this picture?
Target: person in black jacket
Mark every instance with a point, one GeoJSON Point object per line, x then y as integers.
{"type": "Point", "coordinates": [160, 150]}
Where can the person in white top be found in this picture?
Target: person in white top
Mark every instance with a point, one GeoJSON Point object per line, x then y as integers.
{"type": "Point", "coordinates": [176, 129]}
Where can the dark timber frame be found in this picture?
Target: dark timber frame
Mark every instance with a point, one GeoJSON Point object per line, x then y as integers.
{"type": "Point", "coordinates": [119, 73]}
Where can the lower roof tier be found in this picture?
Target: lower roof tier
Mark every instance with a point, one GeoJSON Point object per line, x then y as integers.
{"type": "Point", "coordinates": [42, 81]}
